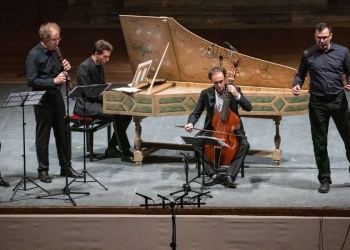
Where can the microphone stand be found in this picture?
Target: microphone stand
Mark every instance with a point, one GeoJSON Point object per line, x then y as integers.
{"type": "Point", "coordinates": [171, 205]}
{"type": "Point", "coordinates": [173, 226]}
{"type": "Point", "coordinates": [220, 56]}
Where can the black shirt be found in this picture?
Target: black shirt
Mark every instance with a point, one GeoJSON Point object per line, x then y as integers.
{"type": "Point", "coordinates": [326, 70]}
{"type": "Point", "coordinates": [42, 67]}
{"type": "Point", "coordinates": [89, 73]}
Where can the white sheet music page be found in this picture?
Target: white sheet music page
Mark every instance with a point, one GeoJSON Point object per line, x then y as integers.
{"type": "Point", "coordinates": [179, 140]}
{"type": "Point", "coordinates": [221, 142]}
{"type": "Point", "coordinates": [127, 89]}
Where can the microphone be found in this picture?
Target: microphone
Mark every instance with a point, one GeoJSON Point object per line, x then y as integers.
{"type": "Point", "coordinates": [146, 199]}
{"type": "Point", "coordinates": [164, 198]}
{"type": "Point", "coordinates": [144, 196]}
{"type": "Point", "coordinates": [230, 46]}
{"type": "Point", "coordinates": [208, 51]}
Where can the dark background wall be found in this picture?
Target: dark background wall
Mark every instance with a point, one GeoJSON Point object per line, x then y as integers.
{"type": "Point", "coordinates": [273, 30]}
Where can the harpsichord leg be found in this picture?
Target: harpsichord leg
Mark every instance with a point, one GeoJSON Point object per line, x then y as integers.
{"type": "Point", "coordinates": [138, 154]}
{"type": "Point", "coordinates": [277, 153]}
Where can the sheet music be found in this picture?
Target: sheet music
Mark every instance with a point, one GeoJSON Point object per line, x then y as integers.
{"type": "Point", "coordinates": [179, 140]}
{"type": "Point", "coordinates": [92, 90]}
{"type": "Point", "coordinates": [222, 143]}
{"type": "Point", "coordinates": [127, 89]}
{"type": "Point", "coordinates": [25, 98]}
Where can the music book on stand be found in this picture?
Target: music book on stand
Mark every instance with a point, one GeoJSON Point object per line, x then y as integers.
{"type": "Point", "coordinates": [89, 90]}
{"type": "Point", "coordinates": [201, 139]}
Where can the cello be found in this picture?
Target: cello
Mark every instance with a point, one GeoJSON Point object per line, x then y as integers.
{"type": "Point", "coordinates": [224, 123]}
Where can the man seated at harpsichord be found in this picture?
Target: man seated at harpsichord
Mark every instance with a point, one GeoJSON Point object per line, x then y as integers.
{"type": "Point", "coordinates": [212, 100]}
{"type": "Point", "coordinates": [90, 72]}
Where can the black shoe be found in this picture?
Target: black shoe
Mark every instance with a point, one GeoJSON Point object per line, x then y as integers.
{"type": "Point", "coordinates": [71, 173]}
{"type": "Point", "coordinates": [214, 179]}
{"type": "Point", "coordinates": [126, 159]}
{"type": "Point", "coordinates": [73, 170]}
{"type": "Point", "coordinates": [128, 153]}
{"type": "Point", "coordinates": [113, 153]}
{"type": "Point", "coordinates": [230, 182]}
{"type": "Point", "coordinates": [324, 187]}
{"type": "Point", "coordinates": [4, 183]}
{"type": "Point", "coordinates": [44, 177]}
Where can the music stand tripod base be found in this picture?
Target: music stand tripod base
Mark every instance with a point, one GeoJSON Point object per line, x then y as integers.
{"type": "Point", "coordinates": [200, 142]}
{"type": "Point", "coordinates": [186, 188]}
{"type": "Point", "coordinates": [24, 99]}
{"type": "Point", "coordinates": [93, 90]}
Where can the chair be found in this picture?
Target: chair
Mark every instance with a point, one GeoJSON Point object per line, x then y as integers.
{"type": "Point", "coordinates": [223, 168]}
{"type": "Point", "coordinates": [92, 125]}
{"type": "Point", "coordinates": [219, 170]}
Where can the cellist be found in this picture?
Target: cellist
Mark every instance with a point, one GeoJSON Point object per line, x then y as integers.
{"type": "Point", "coordinates": [211, 100]}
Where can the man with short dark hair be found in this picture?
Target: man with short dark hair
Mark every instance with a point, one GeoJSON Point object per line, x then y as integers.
{"type": "Point", "coordinates": [326, 63]}
{"type": "Point", "coordinates": [212, 101]}
{"type": "Point", "coordinates": [91, 72]}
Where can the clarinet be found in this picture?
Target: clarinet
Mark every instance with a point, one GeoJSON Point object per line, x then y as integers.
{"type": "Point", "coordinates": [68, 79]}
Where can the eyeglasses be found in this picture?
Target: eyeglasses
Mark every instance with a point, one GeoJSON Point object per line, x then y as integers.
{"type": "Point", "coordinates": [320, 38]}
{"type": "Point", "coordinates": [219, 82]}
{"type": "Point", "coordinates": [55, 40]}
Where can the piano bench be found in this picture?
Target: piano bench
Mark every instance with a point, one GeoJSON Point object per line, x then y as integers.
{"type": "Point", "coordinates": [92, 125]}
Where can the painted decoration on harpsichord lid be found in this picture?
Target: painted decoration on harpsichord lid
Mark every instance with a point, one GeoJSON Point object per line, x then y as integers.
{"type": "Point", "coordinates": [146, 39]}
{"type": "Point", "coordinates": [186, 58]}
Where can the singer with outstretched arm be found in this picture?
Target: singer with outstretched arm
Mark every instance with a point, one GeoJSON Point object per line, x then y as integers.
{"type": "Point", "coordinates": [44, 73]}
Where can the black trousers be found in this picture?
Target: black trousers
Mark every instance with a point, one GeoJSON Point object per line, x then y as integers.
{"type": "Point", "coordinates": [320, 112]}
{"type": "Point", "coordinates": [236, 162]}
{"type": "Point", "coordinates": [120, 125]}
{"type": "Point", "coordinates": [51, 114]}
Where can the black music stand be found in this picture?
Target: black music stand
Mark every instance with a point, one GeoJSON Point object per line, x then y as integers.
{"type": "Point", "coordinates": [186, 188]}
{"type": "Point", "coordinates": [83, 92]}
{"type": "Point", "coordinates": [201, 141]}
{"type": "Point", "coordinates": [24, 99]}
